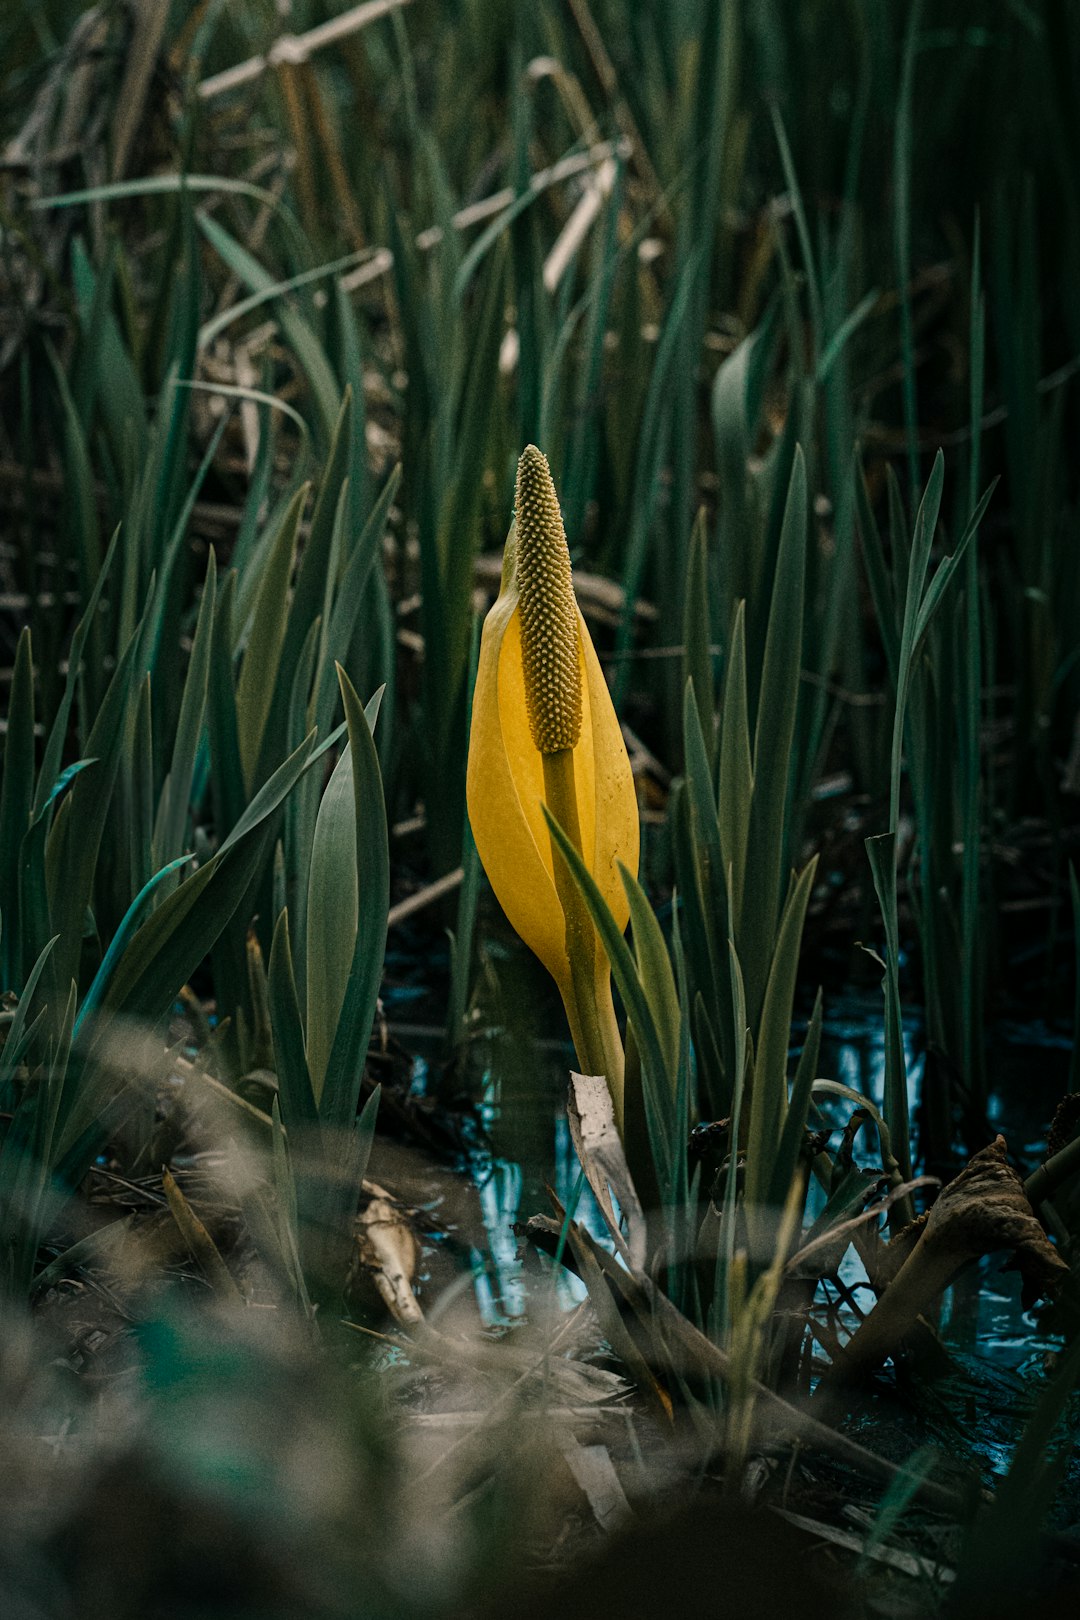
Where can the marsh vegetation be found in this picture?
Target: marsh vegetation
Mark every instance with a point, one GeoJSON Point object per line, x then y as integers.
{"type": "Point", "coordinates": [540, 623]}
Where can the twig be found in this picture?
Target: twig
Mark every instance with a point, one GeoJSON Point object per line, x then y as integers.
{"type": "Point", "coordinates": [488, 207]}
{"type": "Point", "coordinates": [604, 69]}
{"type": "Point", "coordinates": [424, 897]}
{"type": "Point", "coordinates": [296, 48]}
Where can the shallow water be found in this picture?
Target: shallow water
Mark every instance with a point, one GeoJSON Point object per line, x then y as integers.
{"type": "Point", "coordinates": [999, 1350]}
{"type": "Point", "coordinates": [525, 1118]}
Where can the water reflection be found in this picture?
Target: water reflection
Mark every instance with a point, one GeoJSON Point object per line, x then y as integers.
{"type": "Point", "coordinates": [524, 1113]}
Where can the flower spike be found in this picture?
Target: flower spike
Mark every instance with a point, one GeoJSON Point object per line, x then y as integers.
{"type": "Point", "coordinates": [544, 732]}
{"type": "Point", "coordinates": [549, 631]}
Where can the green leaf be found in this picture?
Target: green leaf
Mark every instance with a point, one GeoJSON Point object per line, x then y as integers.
{"type": "Point", "coordinates": [653, 439]}
{"type": "Point", "coordinates": [33, 889]}
{"type": "Point", "coordinates": [735, 785]}
{"type": "Point", "coordinates": [54, 747]}
{"type": "Point", "coordinates": [347, 347]}
{"type": "Point", "coordinates": [539, 183]}
{"type": "Point", "coordinates": [769, 1097]}
{"type": "Point", "coordinates": [312, 575]}
{"type": "Point", "coordinates": [271, 290]}
{"type": "Point", "coordinates": [15, 806]}
{"type": "Point", "coordinates": [943, 575]}
{"type": "Point", "coordinates": [21, 1029]}
{"type": "Point", "coordinates": [774, 731]}
{"type": "Point", "coordinates": [170, 184]}
{"type": "Point", "coordinates": [294, 1081]}
{"type": "Point", "coordinates": [286, 1213]}
{"type": "Point", "coordinates": [697, 633]}
{"type": "Point", "coordinates": [331, 918]}
{"type": "Point", "coordinates": [624, 971]}
{"type": "Point", "coordinates": [226, 774]}
{"type": "Point", "coordinates": [735, 407]}
{"type": "Point", "coordinates": [159, 610]}
{"type": "Point", "coordinates": [365, 1135]}
{"type": "Point", "coordinates": [176, 794]}
{"type": "Point", "coordinates": [791, 180]}
{"type": "Point", "coordinates": [169, 946]}
{"type": "Point", "coordinates": [895, 1501]}
{"type": "Point", "coordinates": [921, 544]}
{"type": "Point", "coordinates": [791, 1138]}
{"type": "Point", "coordinates": [345, 613]}
{"type": "Point", "coordinates": [122, 938]}
{"type": "Point", "coordinates": [904, 124]}
{"type": "Point", "coordinates": [94, 1247]}
{"type": "Point", "coordinates": [75, 841]}
{"type": "Point", "coordinates": [140, 795]}
{"type": "Point", "coordinates": [705, 853]}
{"type": "Point", "coordinates": [262, 655]}
{"type": "Point", "coordinates": [27, 1158]}
{"type": "Point", "coordinates": [719, 1316]}
{"type": "Point", "coordinates": [344, 1070]}
{"type": "Point", "coordinates": [81, 507]}
{"type": "Point", "coordinates": [1006, 1541]}
{"type": "Point", "coordinates": [655, 973]}
{"type": "Point", "coordinates": [303, 806]}
{"type": "Point", "coordinates": [298, 333]}
{"type": "Point", "coordinates": [877, 575]}
{"type": "Point", "coordinates": [844, 332]}
{"type": "Point", "coordinates": [882, 853]}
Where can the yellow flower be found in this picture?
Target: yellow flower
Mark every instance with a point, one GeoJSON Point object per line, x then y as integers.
{"type": "Point", "coordinates": [544, 731]}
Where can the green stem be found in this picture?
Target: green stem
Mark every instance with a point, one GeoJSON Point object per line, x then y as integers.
{"type": "Point", "coordinates": [589, 1007]}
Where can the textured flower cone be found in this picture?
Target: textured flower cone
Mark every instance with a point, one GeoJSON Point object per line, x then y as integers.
{"type": "Point", "coordinates": [544, 731]}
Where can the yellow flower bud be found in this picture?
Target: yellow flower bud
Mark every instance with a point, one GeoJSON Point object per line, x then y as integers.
{"type": "Point", "coordinates": [541, 711]}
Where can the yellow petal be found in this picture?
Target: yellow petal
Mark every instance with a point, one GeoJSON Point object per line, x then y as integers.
{"type": "Point", "coordinates": [612, 812]}
{"type": "Point", "coordinates": [509, 851]}
{"type": "Point", "coordinates": [505, 788]}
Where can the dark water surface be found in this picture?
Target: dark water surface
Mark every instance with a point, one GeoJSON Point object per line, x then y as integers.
{"type": "Point", "coordinates": [527, 1149]}
{"type": "Point", "coordinates": [522, 1112]}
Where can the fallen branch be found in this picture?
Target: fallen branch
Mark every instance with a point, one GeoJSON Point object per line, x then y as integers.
{"type": "Point", "coordinates": [296, 48]}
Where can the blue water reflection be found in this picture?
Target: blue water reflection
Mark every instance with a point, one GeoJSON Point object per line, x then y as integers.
{"type": "Point", "coordinates": [525, 1117]}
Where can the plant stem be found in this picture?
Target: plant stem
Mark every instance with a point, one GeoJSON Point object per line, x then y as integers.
{"type": "Point", "coordinates": [588, 1002]}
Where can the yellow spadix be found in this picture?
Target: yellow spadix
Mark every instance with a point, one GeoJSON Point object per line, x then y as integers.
{"type": "Point", "coordinates": [544, 731]}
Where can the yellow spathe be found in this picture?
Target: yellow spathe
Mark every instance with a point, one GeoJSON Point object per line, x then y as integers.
{"type": "Point", "coordinates": [505, 785]}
